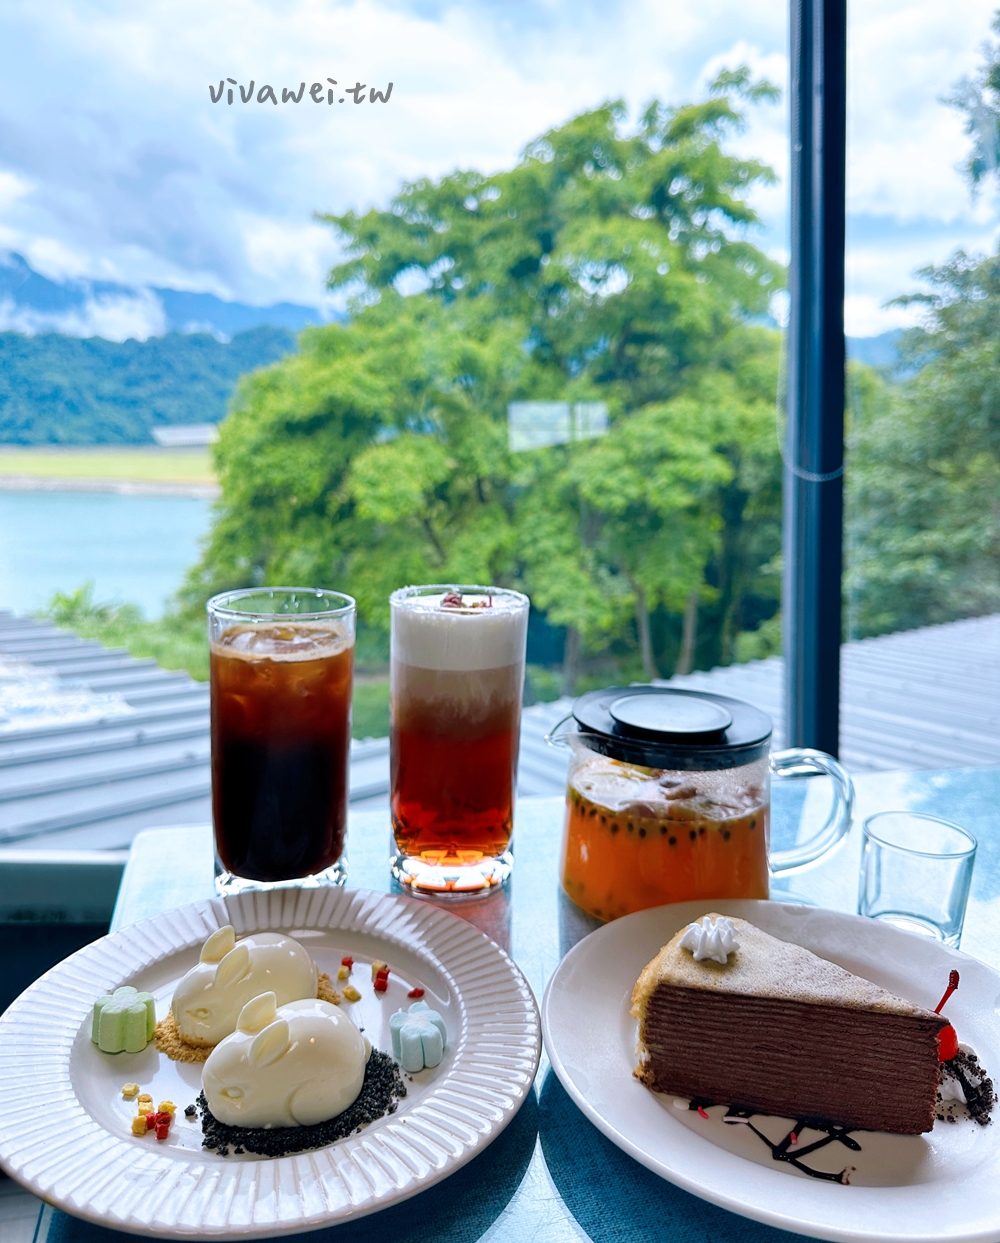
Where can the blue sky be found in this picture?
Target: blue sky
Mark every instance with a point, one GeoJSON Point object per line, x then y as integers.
{"type": "Point", "coordinates": [115, 164]}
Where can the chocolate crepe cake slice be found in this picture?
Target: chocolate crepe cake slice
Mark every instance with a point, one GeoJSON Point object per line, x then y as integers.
{"type": "Point", "coordinates": [772, 1028]}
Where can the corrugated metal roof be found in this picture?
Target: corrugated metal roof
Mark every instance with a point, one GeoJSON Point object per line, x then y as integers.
{"type": "Point", "coordinates": [136, 752]}
{"type": "Point", "coordinates": [927, 698]}
{"type": "Point", "coordinates": [113, 746]}
{"type": "Point", "coordinates": [96, 745]}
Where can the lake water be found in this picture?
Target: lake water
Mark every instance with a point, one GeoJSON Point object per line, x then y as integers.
{"type": "Point", "coordinates": [133, 548]}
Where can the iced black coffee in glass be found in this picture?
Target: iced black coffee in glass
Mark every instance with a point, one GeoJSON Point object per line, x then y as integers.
{"type": "Point", "coordinates": [282, 662]}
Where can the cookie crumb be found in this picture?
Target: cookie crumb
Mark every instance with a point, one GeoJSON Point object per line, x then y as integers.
{"type": "Point", "coordinates": [325, 990]}
{"type": "Point", "coordinates": [380, 1093]}
{"type": "Point", "coordinates": [172, 1043]}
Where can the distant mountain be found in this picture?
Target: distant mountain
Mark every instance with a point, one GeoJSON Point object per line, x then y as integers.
{"type": "Point", "coordinates": [94, 362]}
{"type": "Point", "coordinates": [57, 389]}
{"type": "Point", "coordinates": [31, 303]}
{"type": "Point", "coordinates": [204, 312]}
{"type": "Point", "coordinates": [880, 351]}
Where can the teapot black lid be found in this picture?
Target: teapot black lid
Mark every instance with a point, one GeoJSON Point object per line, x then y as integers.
{"type": "Point", "coordinates": [663, 727]}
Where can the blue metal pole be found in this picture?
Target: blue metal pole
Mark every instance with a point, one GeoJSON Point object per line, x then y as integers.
{"type": "Point", "coordinates": [814, 447]}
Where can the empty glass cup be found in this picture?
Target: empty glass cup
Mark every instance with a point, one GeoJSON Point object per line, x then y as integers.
{"type": "Point", "coordinates": [916, 871]}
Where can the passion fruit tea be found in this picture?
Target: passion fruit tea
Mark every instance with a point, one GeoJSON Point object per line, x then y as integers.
{"type": "Point", "coordinates": [638, 837]}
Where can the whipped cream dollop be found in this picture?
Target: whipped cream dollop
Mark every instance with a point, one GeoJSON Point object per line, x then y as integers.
{"type": "Point", "coordinates": [292, 1065]}
{"type": "Point", "coordinates": [711, 938]}
{"type": "Point", "coordinates": [950, 1089]}
{"type": "Point", "coordinates": [207, 1002]}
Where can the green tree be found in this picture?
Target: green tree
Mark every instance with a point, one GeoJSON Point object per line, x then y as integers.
{"type": "Point", "coordinates": [924, 481]}
{"type": "Point", "coordinates": [609, 264]}
{"type": "Point", "coordinates": [924, 463]}
{"type": "Point", "coordinates": [623, 253]}
{"type": "Point", "coordinates": [655, 484]}
{"type": "Point", "coordinates": [624, 256]}
{"type": "Point", "coordinates": [430, 500]}
{"type": "Point", "coordinates": [373, 457]}
{"type": "Point", "coordinates": [72, 391]}
{"type": "Point", "coordinates": [979, 98]}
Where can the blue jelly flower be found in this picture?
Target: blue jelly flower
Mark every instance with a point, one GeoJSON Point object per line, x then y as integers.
{"type": "Point", "coordinates": [418, 1037]}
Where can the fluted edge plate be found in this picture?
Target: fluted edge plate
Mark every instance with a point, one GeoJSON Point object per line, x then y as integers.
{"type": "Point", "coordinates": [61, 1138]}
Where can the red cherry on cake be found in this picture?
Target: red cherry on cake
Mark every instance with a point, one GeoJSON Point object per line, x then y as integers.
{"type": "Point", "coordinates": [947, 1043]}
{"type": "Point", "coordinates": [947, 1036]}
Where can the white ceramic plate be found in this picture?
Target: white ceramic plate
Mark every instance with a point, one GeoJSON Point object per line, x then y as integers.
{"type": "Point", "coordinates": [939, 1186]}
{"type": "Point", "coordinates": [64, 1127]}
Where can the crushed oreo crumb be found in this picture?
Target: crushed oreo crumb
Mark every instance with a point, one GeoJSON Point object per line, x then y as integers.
{"type": "Point", "coordinates": [381, 1091]}
{"type": "Point", "coordinates": [977, 1086]}
{"type": "Point", "coordinates": [190, 1111]}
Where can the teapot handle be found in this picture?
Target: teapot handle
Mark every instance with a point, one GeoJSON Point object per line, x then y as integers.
{"type": "Point", "coordinates": [555, 738]}
{"type": "Point", "coordinates": [802, 762]}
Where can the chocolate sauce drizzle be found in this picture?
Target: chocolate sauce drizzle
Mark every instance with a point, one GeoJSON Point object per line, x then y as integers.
{"type": "Point", "coordinates": [781, 1151]}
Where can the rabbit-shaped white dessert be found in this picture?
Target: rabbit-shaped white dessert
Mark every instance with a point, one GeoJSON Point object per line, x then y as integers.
{"type": "Point", "coordinates": [208, 1000]}
{"type": "Point", "coordinates": [290, 1066]}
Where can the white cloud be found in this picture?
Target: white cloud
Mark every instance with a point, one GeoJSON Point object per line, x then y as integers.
{"type": "Point", "coordinates": [885, 261]}
{"type": "Point", "coordinates": [115, 164]}
{"type": "Point", "coordinates": [867, 316]}
{"type": "Point", "coordinates": [115, 318]}
{"type": "Point", "coordinates": [12, 188]}
{"type": "Point", "coordinates": [53, 258]}
{"type": "Point", "coordinates": [904, 143]}
{"type": "Point", "coordinates": [285, 253]}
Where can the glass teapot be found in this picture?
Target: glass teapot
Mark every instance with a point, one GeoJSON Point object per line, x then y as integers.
{"type": "Point", "coordinates": [668, 799]}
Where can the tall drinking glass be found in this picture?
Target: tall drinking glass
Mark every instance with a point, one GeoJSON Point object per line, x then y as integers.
{"type": "Point", "coordinates": [456, 682]}
{"type": "Point", "coordinates": [282, 667]}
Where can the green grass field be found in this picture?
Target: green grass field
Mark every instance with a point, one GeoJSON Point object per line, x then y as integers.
{"type": "Point", "coordinates": [143, 464]}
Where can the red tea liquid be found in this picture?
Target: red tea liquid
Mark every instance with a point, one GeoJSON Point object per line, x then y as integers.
{"type": "Point", "coordinates": [453, 759]}
{"type": "Point", "coordinates": [281, 736]}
